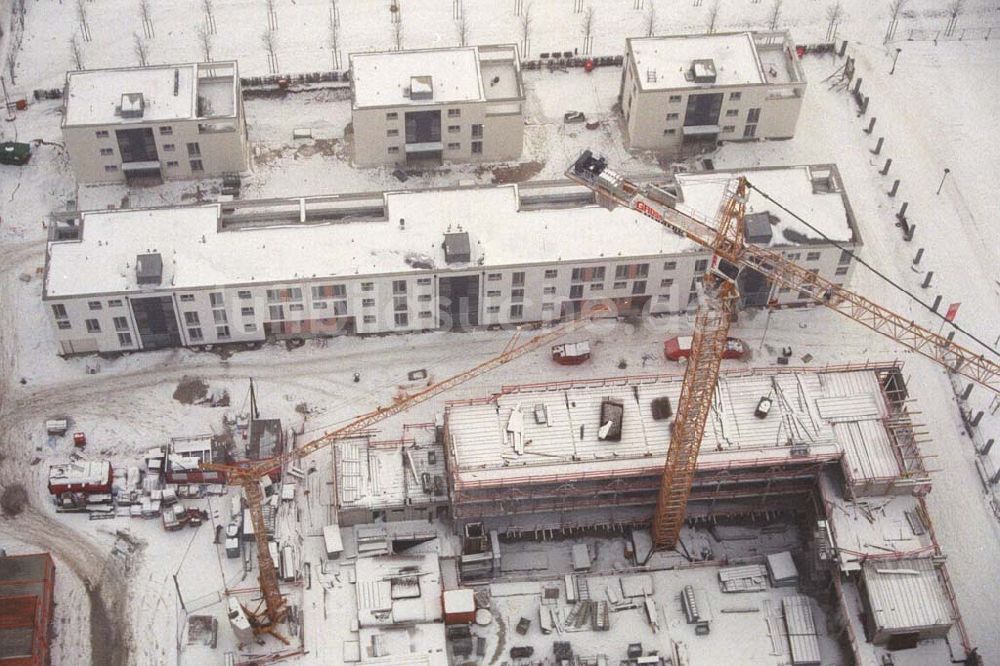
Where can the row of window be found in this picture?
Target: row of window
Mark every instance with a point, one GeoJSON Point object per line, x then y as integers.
{"type": "Point", "coordinates": [196, 165]}
{"type": "Point", "coordinates": [477, 147]}
{"type": "Point", "coordinates": [164, 130]}
{"type": "Point", "coordinates": [733, 97]}
{"type": "Point", "coordinates": [452, 113]}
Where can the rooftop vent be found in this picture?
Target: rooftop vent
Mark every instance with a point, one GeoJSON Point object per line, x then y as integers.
{"type": "Point", "coordinates": [132, 105]}
{"type": "Point", "coordinates": [757, 228]}
{"type": "Point", "coordinates": [703, 71]}
{"type": "Point", "coordinates": [456, 248]}
{"type": "Point", "coordinates": [149, 269]}
{"type": "Point", "coordinates": [421, 87]}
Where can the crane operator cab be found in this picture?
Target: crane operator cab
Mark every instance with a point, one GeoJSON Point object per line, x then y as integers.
{"type": "Point", "coordinates": [723, 270]}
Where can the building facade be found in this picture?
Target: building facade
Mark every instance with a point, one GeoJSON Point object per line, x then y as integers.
{"type": "Point", "coordinates": [148, 124]}
{"type": "Point", "coordinates": [695, 90]}
{"type": "Point", "coordinates": [410, 261]}
{"type": "Point", "coordinates": [428, 106]}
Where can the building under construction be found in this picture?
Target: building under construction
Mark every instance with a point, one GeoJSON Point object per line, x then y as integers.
{"type": "Point", "coordinates": [590, 453]}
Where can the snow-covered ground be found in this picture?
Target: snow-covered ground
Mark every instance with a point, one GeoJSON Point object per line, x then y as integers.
{"type": "Point", "coordinates": [935, 112]}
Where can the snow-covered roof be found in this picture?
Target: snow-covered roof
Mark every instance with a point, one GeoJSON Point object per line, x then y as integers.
{"type": "Point", "coordinates": [661, 62]}
{"type": "Point", "coordinates": [379, 603]}
{"type": "Point", "coordinates": [385, 474]}
{"type": "Point", "coordinates": [80, 472]}
{"type": "Point", "coordinates": [906, 595]}
{"type": "Point", "coordinates": [383, 79]}
{"type": "Point", "coordinates": [169, 92]}
{"type": "Point", "coordinates": [814, 193]}
{"type": "Point", "coordinates": [567, 443]}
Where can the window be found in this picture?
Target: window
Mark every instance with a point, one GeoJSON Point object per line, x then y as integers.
{"type": "Point", "coordinates": [94, 305]}
{"type": "Point", "coordinates": [549, 290]}
{"type": "Point", "coordinates": [663, 298]}
{"type": "Point", "coordinates": [493, 293]}
{"type": "Point", "coordinates": [803, 294]}
{"type": "Point", "coordinates": [194, 334]}
{"type": "Point", "coordinates": [631, 271]}
{"type": "Point", "coordinates": [692, 297]}
{"type": "Point", "coordinates": [669, 131]}
{"type": "Point", "coordinates": [339, 308]}
{"type": "Point", "coordinates": [392, 132]}
{"type": "Point", "coordinates": [222, 332]}
{"type": "Point", "coordinates": [477, 147]}
{"type": "Point", "coordinates": [276, 312]}
{"type": "Point", "coordinates": [187, 298]}
{"type": "Point", "coordinates": [454, 129]}
{"type": "Point", "coordinates": [425, 314]}
{"type": "Point", "coordinates": [244, 295]}
{"type": "Point", "coordinates": [516, 295]}
{"type": "Point", "coordinates": [619, 285]}
{"type": "Point", "coordinates": [401, 319]}
{"type": "Point", "coordinates": [63, 324]}
{"type": "Point", "coordinates": [517, 279]}
{"type": "Point", "coordinates": [110, 168]}
{"type": "Point", "coordinates": [733, 96]}
{"type": "Point", "coordinates": [493, 309]}
{"type": "Point", "coordinates": [547, 307]}
{"type": "Point", "coordinates": [191, 318]}
{"type": "Point", "coordinates": [669, 265]}
{"type": "Point", "coordinates": [667, 282]}
{"type": "Point", "coordinates": [319, 305]}
{"type": "Point", "coordinates": [393, 150]}
{"type": "Point", "coordinates": [115, 303]}
{"type": "Point", "coordinates": [753, 116]}
{"type": "Point", "coordinates": [168, 147]}
{"type": "Point", "coordinates": [639, 287]}
{"type": "Point", "coordinates": [121, 323]}
{"type": "Point", "coordinates": [841, 270]}
{"type": "Point", "coordinates": [424, 298]}
{"type": "Point", "coordinates": [551, 273]}
{"type": "Point", "coordinates": [454, 113]}
{"type": "Point", "coordinates": [247, 312]}
{"type": "Point", "coordinates": [194, 150]}
{"type": "Point", "coordinates": [196, 165]}
{"type": "Point", "coordinates": [93, 326]}
{"type": "Point", "coordinates": [107, 151]}
{"type": "Point", "coordinates": [166, 130]}
{"type": "Point", "coordinates": [368, 302]}
{"type": "Point", "coordinates": [749, 131]}
{"type": "Point", "coordinates": [423, 282]}
{"type": "Point", "coordinates": [369, 319]}
{"type": "Point", "coordinates": [576, 291]}
{"type": "Point", "coordinates": [124, 339]}
{"type": "Point", "coordinates": [276, 295]}
{"type": "Point", "coordinates": [101, 134]}
{"type": "Point", "coordinates": [590, 274]}
{"type": "Point", "coordinates": [701, 265]}
{"type": "Point", "coordinates": [596, 286]}
{"type": "Point", "coordinates": [672, 116]}
{"type": "Point", "coordinates": [249, 328]}
{"type": "Point", "coordinates": [399, 286]}
{"type": "Point", "coordinates": [516, 311]}
{"type": "Point", "coordinates": [674, 99]}
{"type": "Point", "coordinates": [329, 291]}
{"type": "Point", "coordinates": [392, 115]}
{"type": "Point", "coordinates": [454, 146]}
{"type": "Point", "coordinates": [728, 129]}
{"type": "Point", "coordinates": [219, 316]}
{"type": "Point", "coordinates": [812, 256]}
{"type": "Point", "coordinates": [477, 131]}
{"type": "Point", "coordinates": [59, 310]}
{"type": "Point", "coordinates": [845, 257]}
{"type": "Point", "coordinates": [494, 277]}
{"type": "Point", "coordinates": [171, 164]}
{"type": "Point", "coordinates": [295, 307]}
{"type": "Point", "coordinates": [367, 286]}
{"type": "Point", "coordinates": [793, 256]}
{"type": "Point", "coordinates": [215, 298]}
{"type": "Point", "coordinates": [732, 113]}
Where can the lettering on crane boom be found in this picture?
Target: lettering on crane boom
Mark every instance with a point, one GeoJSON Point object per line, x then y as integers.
{"type": "Point", "coordinates": [646, 209]}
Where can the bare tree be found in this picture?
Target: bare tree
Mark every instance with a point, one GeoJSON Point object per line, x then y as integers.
{"type": "Point", "coordinates": [775, 16]}
{"type": "Point", "coordinates": [896, 7]}
{"type": "Point", "coordinates": [146, 14]}
{"type": "Point", "coordinates": [205, 42]}
{"type": "Point", "coordinates": [81, 15]}
{"type": "Point", "coordinates": [397, 35]}
{"type": "Point", "coordinates": [713, 16]}
{"type": "Point", "coordinates": [954, 10]}
{"type": "Point", "coordinates": [333, 38]}
{"type": "Point", "coordinates": [270, 42]}
{"type": "Point", "coordinates": [651, 21]}
{"type": "Point", "coordinates": [208, 6]}
{"type": "Point", "coordinates": [525, 24]}
{"type": "Point", "coordinates": [834, 14]}
{"type": "Point", "coordinates": [272, 17]}
{"type": "Point", "coordinates": [141, 49]}
{"type": "Point", "coordinates": [587, 28]}
{"type": "Point", "coordinates": [77, 52]}
{"type": "Point", "coordinates": [462, 27]}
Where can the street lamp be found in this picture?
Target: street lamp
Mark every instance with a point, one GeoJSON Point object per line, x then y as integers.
{"type": "Point", "coordinates": [894, 59]}
{"type": "Point", "coordinates": [946, 172]}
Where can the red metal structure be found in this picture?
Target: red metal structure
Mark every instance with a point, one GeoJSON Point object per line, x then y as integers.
{"type": "Point", "coordinates": [26, 588]}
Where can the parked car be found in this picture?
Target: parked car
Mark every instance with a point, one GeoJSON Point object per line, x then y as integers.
{"type": "Point", "coordinates": [679, 347]}
{"type": "Point", "coordinates": [571, 117]}
{"type": "Point", "coordinates": [15, 153]}
{"type": "Point", "coordinates": [571, 353]}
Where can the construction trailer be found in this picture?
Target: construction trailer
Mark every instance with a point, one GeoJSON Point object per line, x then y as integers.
{"type": "Point", "coordinates": [564, 475]}
{"type": "Point", "coordinates": [26, 602]}
{"type": "Point", "coordinates": [81, 476]}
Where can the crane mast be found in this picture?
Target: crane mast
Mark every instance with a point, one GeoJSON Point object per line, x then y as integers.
{"type": "Point", "coordinates": [275, 608]}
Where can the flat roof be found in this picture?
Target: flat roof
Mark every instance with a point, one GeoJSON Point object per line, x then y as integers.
{"type": "Point", "coordinates": [383, 79]}
{"type": "Point", "coordinates": [661, 62]}
{"type": "Point", "coordinates": [197, 252]}
{"type": "Point", "coordinates": [374, 474]}
{"type": "Point", "coordinates": [203, 90]}
{"type": "Point", "coordinates": [482, 433]}
{"type": "Point", "coordinates": [906, 594]}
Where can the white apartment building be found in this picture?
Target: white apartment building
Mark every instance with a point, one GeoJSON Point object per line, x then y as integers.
{"type": "Point", "coordinates": [409, 261]}
{"type": "Point", "coordinates": [688, 90]}
{"type": "Point", "coordinates": [143, 124]}
{"type": "Point", "coordinates": [421, 107]}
